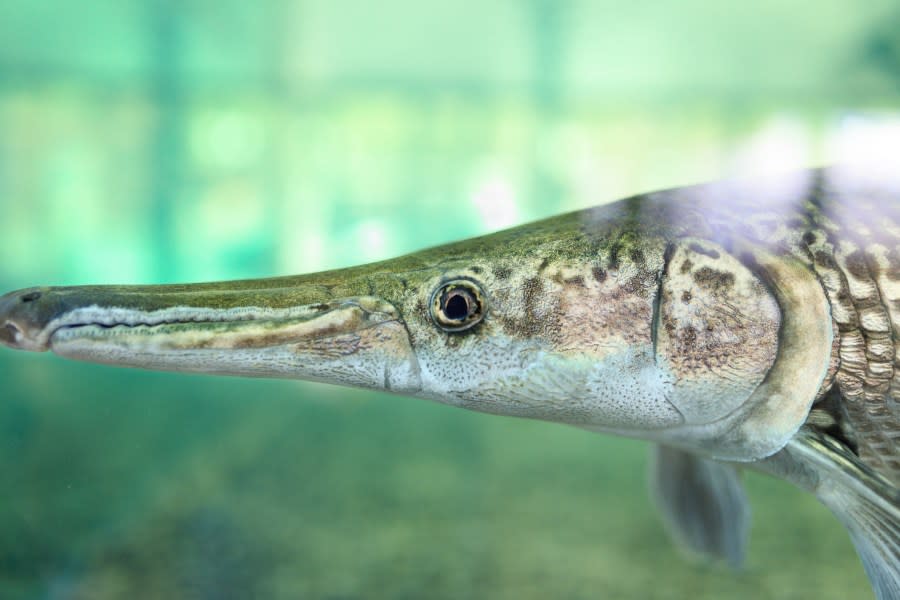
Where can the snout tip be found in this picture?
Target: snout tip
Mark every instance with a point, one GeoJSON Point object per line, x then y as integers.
{"type": "Point", "coordinates": [17, 317]}
{"type": "Point", "coordinates": [10, 335]}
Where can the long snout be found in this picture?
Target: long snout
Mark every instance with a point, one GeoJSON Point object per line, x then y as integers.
{"type": "Point", "coordinates": [261, 328]}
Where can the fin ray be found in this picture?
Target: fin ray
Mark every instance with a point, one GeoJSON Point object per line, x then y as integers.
{"type": "Point", "coordinates": [866, 503]}
{"type": "Point", "coordinates": [702, 503]}
{"type": "Point", "coordinates": [876, 536]}
{"type": "Point", "coordinates": [870, 510]}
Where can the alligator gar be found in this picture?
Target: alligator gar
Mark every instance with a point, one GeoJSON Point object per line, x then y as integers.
{"type": "Point", "coordinates": [747, 324]}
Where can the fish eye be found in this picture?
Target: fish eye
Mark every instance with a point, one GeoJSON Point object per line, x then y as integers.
{"type": "Point", "coordinates": [457, 305]}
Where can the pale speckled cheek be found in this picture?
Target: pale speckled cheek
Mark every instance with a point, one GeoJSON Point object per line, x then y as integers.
{"type": "Point", "coordinates": [625, 390]}
{"type": "Point", "coordinates": [448, 372]}
{"type": "Point", "coordinates": [629, 390]}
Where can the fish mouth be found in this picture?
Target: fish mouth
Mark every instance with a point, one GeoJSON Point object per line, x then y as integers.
{"type": "Point", "coordinates": [11, 335]}
{"type": "Point", "coordinates": [358, 341]}
{"type": "Point", "coordinates": [186, 328]}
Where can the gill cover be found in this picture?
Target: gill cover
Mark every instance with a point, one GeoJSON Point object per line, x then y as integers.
{"type": "Point", "coordinates": [747, 343]}
{"type": "Point", "coordinates": [717, 330]}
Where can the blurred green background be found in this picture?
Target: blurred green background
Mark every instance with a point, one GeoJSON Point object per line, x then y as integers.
{"type": "Point", "coordinates": [161, 141]}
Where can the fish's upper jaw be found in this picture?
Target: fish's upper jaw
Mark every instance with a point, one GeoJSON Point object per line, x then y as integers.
{"type": "Point", "coordinates": [232, 328]}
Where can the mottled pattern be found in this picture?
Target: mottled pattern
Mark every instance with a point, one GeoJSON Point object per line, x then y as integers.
{"type": "Point", "coordinates": [717, 329]}
{"type": "Point", "coordinates": [857, 250]}
{"type": "Point", "coordinates": [708, 317]}
{"type": "Point", "coordinates": [845, 225]}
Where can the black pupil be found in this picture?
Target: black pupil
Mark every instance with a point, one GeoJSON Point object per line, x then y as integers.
{"type": "Point", "coordinates": [456, 307]}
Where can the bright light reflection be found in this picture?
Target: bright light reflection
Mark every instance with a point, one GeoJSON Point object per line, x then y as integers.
{"type": "Point", "coordinates": [495, 200]}
{"type": "Point", "coordinates": [371, 239]}
{"type": "Point", "coordinates": [783, 144]}
{"type": "Point", "coordinates": [869, 145]}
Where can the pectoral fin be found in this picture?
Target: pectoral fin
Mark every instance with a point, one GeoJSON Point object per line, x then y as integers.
{"type": "Point", "coordinates": [867, 504]}
{"type": "Point", "coordinates": [875, 530]}
{"type": "Point", "coordinates": [702, 503]}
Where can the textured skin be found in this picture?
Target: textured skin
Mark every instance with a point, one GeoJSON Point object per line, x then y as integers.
{"type": "Point", "coordinates": [855, 248]}
{"type": "Point", "coordinates": [845, 226]}
{"type": "Point", "coordinates": [697, 317]}
{"type": "Point", "coordinates": [753, 322]}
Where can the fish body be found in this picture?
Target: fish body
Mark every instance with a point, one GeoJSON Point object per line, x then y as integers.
{"type": "Point", "coordinates": [738, 323]}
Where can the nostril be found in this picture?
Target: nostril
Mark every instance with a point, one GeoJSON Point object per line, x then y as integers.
{"type": "Point", "coordinates": [10, 334]}
{"type": "Point", "coordinates": [31, 296]}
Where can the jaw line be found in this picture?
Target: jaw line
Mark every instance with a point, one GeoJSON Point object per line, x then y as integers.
{"type": "Point", "coordinates": [237, 325]}
{"type": "Point", "coordinates": [360, 342]}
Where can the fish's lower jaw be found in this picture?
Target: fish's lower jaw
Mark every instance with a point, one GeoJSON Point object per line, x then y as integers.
{"type": "Point", "coordinates": [374, 355]}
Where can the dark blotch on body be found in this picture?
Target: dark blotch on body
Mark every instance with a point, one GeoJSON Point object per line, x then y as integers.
{"type": "Point", "coordinates": [823, 259]}
{"type": "Point", "coordinates": [502, 273]}
{"type": "Point", "coordinates": [614, 257]}
{"type": "Point", "coordinates": [686, 267]}
{"type": "Point", "coordinates": [599, 274]}
{"type": "Point", "coordinates": [856, 265]}
{"type": "Point", "coordinates": [534, 287]}
{"type": "Point", "coordinates": [530, 323]}
{"type": "Point", "coordinates": [689, 336]}
{"type": "Point", "coordinates": [710, 278]}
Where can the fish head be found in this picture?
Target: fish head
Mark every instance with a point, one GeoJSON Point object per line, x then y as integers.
{"type": "Point", "coordinates": [587, 319]}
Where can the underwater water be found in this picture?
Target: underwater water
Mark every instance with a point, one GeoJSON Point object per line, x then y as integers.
{"type": "Point", "coordinates": [151, 142]}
